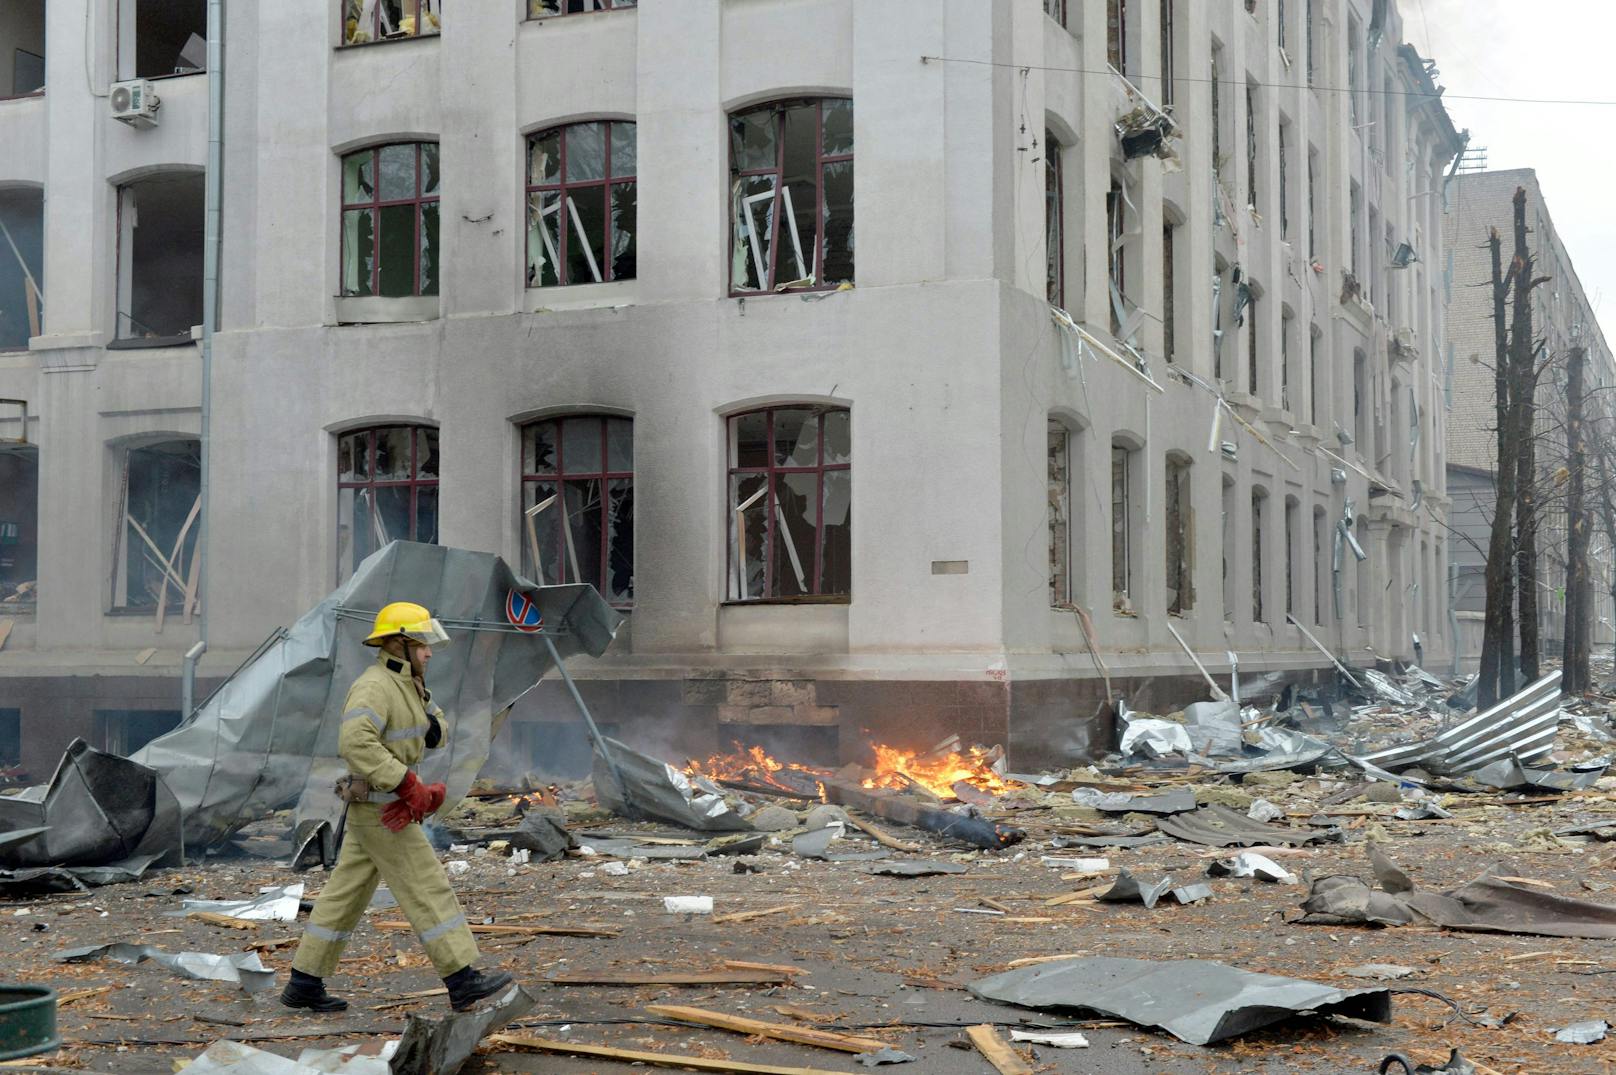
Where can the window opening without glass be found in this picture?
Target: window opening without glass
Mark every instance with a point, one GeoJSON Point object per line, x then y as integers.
{"type": "Point", "coordinates": [155, 567]}
{"type": "Point", "coordinates": [19, 526]}
{"type": "Point", "coordinates": [160, 225]}
{"type": "Point", "coordinates": [390, 220]}
{"type": "Point", "coordinates": [22, 249]}
{"type": "Point", "coordinates": [22, 48]}
{"type": "Point", "coordinates": [581, 202]}
{"type": "Point", "coordinates": [790, 504]}
{"type": "Point", "coordinates": [162, 38]}
{"type": "Point", "coordinates": [544, 9]}
{"type": "Point", "coordinates": [578, 503]}
{"type": "Point", "coordinates": [791, 168]}
{"type": "Point", "coordinates": [387, 490]}
{"type": "Point", "coordinates": [1054, 223]}
{"type": "Point", "coordinates": [364, 21]}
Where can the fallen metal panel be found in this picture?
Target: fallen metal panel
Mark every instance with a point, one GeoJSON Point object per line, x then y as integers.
{"type": "Point", "coordinates": [1175, 801]}
{"type": "Point", "coordinates": [442, 1046]}
{"type": "Point", "coordinates": [1194, 1000]}
{"type": "Point", "coordinates": [637, 785]}
{"type": "Point", "coordinates": [1216, 825]}
{"type": "Point", "coordinates": [242, 968]}
{"type": "Point", "coordinates": [1129, 889]}
{"type": "Point", "coordinates": [1522, 724]}
{"type": "Point", "coordinates": [1510, 775]}
{"type": "Point", "coordinates": [98, 809]}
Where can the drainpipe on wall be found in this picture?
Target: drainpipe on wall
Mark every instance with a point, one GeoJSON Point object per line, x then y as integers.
{"type": "Point", "coordinates": [214, 193]}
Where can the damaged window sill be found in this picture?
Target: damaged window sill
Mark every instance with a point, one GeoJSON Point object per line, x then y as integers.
{"type": "Point", "coordinates": [778, 602]}
{"type": "Point", "coordinates": [147, 343]}
{"type": "Point", "coordinates": [609, 295]}
{"type": "Point", "coordinates": [376, 309]}
{"type": "Point", "coordinates": [350, 46]}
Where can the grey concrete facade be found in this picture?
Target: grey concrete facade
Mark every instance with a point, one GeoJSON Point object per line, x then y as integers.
{"type": "Point", "coordinates": [944, 351]}
{"type": "Point", "coordinates": [1562, 317]}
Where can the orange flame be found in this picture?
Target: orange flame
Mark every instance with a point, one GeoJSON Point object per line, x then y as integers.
{"type": "Point", "coordinates": [894, 768]}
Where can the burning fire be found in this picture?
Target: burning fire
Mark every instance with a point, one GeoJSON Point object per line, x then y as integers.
{"type": "Point", "coordinates": [936, 771]}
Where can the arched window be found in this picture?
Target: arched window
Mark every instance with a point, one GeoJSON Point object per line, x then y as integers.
{"type": "Point", "coordinates": [390, 220]}
{"type": "Point", "coordinates": [581, 203]}
{"type": "Point", "coordinates": [578, 503]}
{"type": "Point", "coordinates": [1259, 501]}
{"type": "Point", "coordinates": [791, 192]}
{"type": "Point", "coordinates": [790, 503]}
{"type": "Point", "coordinates": [387, 490]}
{"type": "Point", "coordinates": [1180, 544]}
{"type": "Point", "coordinates": [1054, 223]}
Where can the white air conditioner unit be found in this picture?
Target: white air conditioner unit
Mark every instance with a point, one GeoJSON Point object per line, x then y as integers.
{"type": "Point", "coordinates": [134, 103]}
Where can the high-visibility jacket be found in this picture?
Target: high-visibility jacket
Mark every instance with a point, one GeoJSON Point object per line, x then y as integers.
{"type": "Point", "coordinates": [387, 725]}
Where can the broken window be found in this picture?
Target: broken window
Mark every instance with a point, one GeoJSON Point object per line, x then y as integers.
{"type": "Point", "coordinates": [1217, 111]}
{"type": "Point", "coordinates": [1354, 78]}
{"type": "Point", "coordinates": [1221, 286]}
{"type": "Point", "coordinates": [1321, 545]}
{"type": "Point", "coordinates": [162, 38]}
{"type": "Point", "coordinates": [790, 503]}
{"type": "Point", "coordinates": [124, 731]}
{"type": "Point", "coordinates": [1060, 516]}
{"type": "Point", "coordinates": [22, 247]}
{"type": "Point", "coordinates": [578, 503]}
{"type": "Point", "coordinates": [390, 220]}
{"type": "Point", "coordinates": [1056, 9]}
{"type": "Point", "coordinates": [1165, 26]}
{"type": "Point", "coordinates": [19, 525]}
{"type": "Point", "coordinates": [10, 737]}
{"type": "Point", "coordinates": [387, 490]}
{"type": "Point", "coordinates": [1287, 325]}
{"type": "Point", "coordinates": [1180, 515]}
{"type": "Point", "coordinates": [1360, 401]}
{"type": "Point", "coordinates": [1229, 546]}
{"type": "Point", "coordinates": [1279, 22]}
{"type": "Point", "coordinates": [1116, 34]}
{"type": "Point", "coordinates": [544, 9]}
{"type": "Point", "coordinates": [1312, 42]}
{"type": "Point", "coordinates": [1284, 180]}
{"type": "Point", "coordinates": [1121, 528]}
{"type": "Point", "coordinates": [1251, 146]}
{"type": "Point", "coordinates": [1115, 226]}
{"type": "Point", "coordinates": [160, 223]}
{"type": "Point", "coordinates": [1054, 223]}
{"type": "Point", "coordinates": [581, 204]}
{"type": "Point", "coordinates": [1354, 229]}
{"type": "Point", "coordinates": [1253, 377]}
{"type": "Point", "coordinates": [364, 21]}
{"type": "Point", "coordinates": [1362, 571]}
{"type": "Point", "coordinates": [1313, 339]}
{"type": "Point", "coordinates": [155, 566]}
{"type": "Point", "coordinates": [1259, 500]}
{"type": "Point", "coordinates": [1312, 210]}
{"type": "Point", "coordinates": [1169, 298]}
{"type": "Point", "coordinates": [791, 194]}
{"type": "Point", "coordinates": [22, 48]}
{"type": "Point", "coordinates": [1293, 520]}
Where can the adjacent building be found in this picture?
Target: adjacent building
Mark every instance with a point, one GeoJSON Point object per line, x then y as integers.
{"type": "Point", "coordinates": [1138, 342]}
{"type": "Point", "coordinates": [1562, 318]}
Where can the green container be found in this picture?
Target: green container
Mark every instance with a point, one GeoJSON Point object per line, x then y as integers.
{"type": "Point", "coordinates": [27, 1021]}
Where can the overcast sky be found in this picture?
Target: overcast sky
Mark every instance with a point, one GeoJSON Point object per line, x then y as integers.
{"type": "Point", "coordinates": [1561, 49]}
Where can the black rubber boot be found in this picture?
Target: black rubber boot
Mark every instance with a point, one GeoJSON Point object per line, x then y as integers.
{"type": "Point", "coordinates": [307, 991]}
{"type": "Point", "coordinates": [468, 985]}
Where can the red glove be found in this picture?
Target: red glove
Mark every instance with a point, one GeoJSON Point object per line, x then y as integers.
{"type": "Point", "coordinates": [395, 815]}
{"type": "Point", "coordinates": [414, 803]}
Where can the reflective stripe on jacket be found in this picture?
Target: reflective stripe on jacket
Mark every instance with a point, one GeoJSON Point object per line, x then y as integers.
{"type": "Point", "coordinates": [385, 725]}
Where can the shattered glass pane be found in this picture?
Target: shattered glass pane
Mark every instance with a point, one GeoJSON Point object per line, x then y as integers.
{"type": "Point", "coordinates": [398, 251]}
{"type": "Point", "coordinates": [586, 152]}
{"type": "Point", "coordinates": [838, 438]}
{"type": "Point", "coordinates": [623, 225]}
{"type": "Point", "coordinates": [836, 570]}
{"type": "Point", "coordinates": [393, 517]}
{"type": "Point", "coordinates": [397, 166]}
{"type": "Point", "coordinates": [583, 519]}
{"type": "Point", "coordinates": [544, 158]}
{"type": "Point", "coordinates": [586, 232]}
{"type": "Point", "coordinates": [353, 518]}
{"type": "Point", "coordinates": [838, 223]}
{"type": "Point", "coordinates": [838, 126]}
{"type": "Point", "coordinates": [751, 433]}
{"type": "Point", "coordinates": [538, 9]}
{"type": "Point", "coordinates": [623, 150]}
{"type": "Point", "coordinates": [619, 444]}
{"type": "Point", "coordinates": [747, 559]}
{"type": "Point", "coordinates": [426, 452]}
{"type": "Point", "coordinates": [546, 528]}
{"type": "Point", "coordinates": [163, 483]}
{"type": "Point", "coordinates": [429, 169]}
{"type": "Point", "coordinates": [543, 239]}
{"type": "Point", "coordinates": [539, 448]}
{"type": "Point", "coordinates": [359, 177]}
{"type": "Point", "coordinates": [1052, 220]}
{"type": "Point", "coordinates": [393, 453]}
{"type": "Point", "coordinates": [754, 228]}
{"type": "Point", "coordinates": [796, 437]}
{"type": "Point", "coordinates": [353, 462]}
{"type": "Point", "coordinates": [358, 250]}
{"type": "Point", "coordinates": [796, 533]}
{"type": "Point", "coordinates": [429, 248]}
{"type": "Point", "coordinates": [752, 140]}
{"type": "Point", "coordinates": [619, 588]}
{"type": "Point", "coordinates": [580, 446]}
{"type": "Point", "coordinates": [426, 515]}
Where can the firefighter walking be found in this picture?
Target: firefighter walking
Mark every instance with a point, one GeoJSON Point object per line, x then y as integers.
{"type": "Point", "coordinates": [388, 722]}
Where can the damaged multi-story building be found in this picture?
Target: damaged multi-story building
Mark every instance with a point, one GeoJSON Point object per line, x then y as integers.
{"type": "Point", "coordinates": [1138, 342]}
{"type": "Point", "coordinates": [1562, 318]}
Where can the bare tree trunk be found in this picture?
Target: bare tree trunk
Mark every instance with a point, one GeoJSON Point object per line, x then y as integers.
{"type": "Point", "coordinates": [1579, 587]}
{"type": "Point", "coordinates": [1522, 389]}
{"type": "Point", "coordinates": [1497, 677]}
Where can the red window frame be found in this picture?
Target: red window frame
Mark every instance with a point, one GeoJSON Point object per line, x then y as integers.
{"type": "Point", "coordinates": [577, 7]}
{"type": "Point", "coordinates": [560, 476]}
{"type": "Point", "coordinates": [770, 471]}
{"type": "Point", "coordinates": [408, 9]}
{"type": "Point", "coordinates": [415, 482]}
{"type": "Point", "coordinates": [419, 198]}
{"type": "Point", "coordinates": [1054, 222]}
{"type": "Point", "coordinates": [608, 182]}
{"type": "Point", "coordinates": [822, 161]}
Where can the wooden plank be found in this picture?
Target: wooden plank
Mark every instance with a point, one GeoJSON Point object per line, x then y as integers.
{"type": "Point", "coordinates": [637, 1056]}
{"type": "Point", "coordinates": [146, 654]}
{"type": "Point", "coordinates": [84, 994]}
{"type": "Point", "coordinates": [880, 835]}
{"type": "Point", "coordinates": [740, 1024]}
{"type": "Point", "coordinates": [1000, 1055]}
{"type": "Point", "coordinates": [778, 968]}
{"type": "Point", "coordinates": [174, 558]}
{"type": "Point", "coordinates": [213, 918]}
{"type": "Point", "coordinates": [527, 931]}
{"type": "Point", "coordinates": [1080, 894]}
{"type": "Point", "coordinates": [747, 916]}
{"type": "Point", "coordinates": [716, 977]}
{"type": "Point", "coordinates": [5, 630]}
{"type": "Point", "coordinates": [31, 297]}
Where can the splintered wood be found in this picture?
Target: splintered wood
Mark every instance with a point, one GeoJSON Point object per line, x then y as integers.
{"type": "Point", "coordinates": [638, 1056]}
{"type": "Point", "coordinates": [717, 977]}
{"type": "Point", "coordinates": [824, 1039]}
{"type": "Point", "coordinates": [1005, 1059]}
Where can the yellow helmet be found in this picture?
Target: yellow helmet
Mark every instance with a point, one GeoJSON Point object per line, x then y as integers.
{"type": "Point", "coordinates": [412, 621]}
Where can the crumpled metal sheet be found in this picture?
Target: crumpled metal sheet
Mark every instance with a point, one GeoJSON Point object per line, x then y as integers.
{"type": "Point", "coordinates": [98, 810]}
{"type": "Point", "coordinates": [274, 904]}
{"type": "Point", "coordinates": [1281, 748]}
{"type": "Point", "coordinates": [268, 737]}
{"type": "Point", "coordinates": [1129, 889]}
{"type": "Point", "coordinates": [1175, 801]}
{"type": "Point", "coordinates": [654, 789]}
{"type": "Point", "coordinates": [1522, 725]}
{"type": "Point", "coordinates": [1195, 1000]}
{"type": "Point", "coordinates": [1508, 774]}
{"type": "Point", "coordinates": [442, 1046]}
{"type": "Point", "coordinates": [242, 968]}
{"type": "Point", "coordinates": [73, 878]}
{"type": "Point", "coordinates": [1216, 825]}
{"type": "Point", "coordinates": [1251, 864]}
{"type": "Point", "coordinates": [1214, 728]}
{"type": "Point", "coordinates": [237, 1058]}
{"type": "Point", "coordinates": [1155, 738]}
